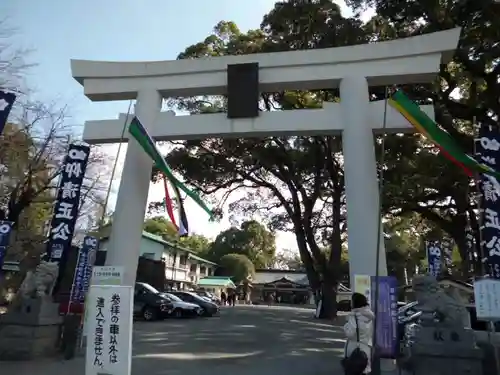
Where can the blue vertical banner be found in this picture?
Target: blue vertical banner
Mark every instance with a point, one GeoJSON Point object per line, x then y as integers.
{"type": "Point", "coordinates": [487, 149]}
{"type": "Point", "coordinates": [387, 309]}
{"type": "Point", "coordinates": [434, 257]}
{"type": "Point", "coordinates": [93, 244]}
{"type": "Point", "coordinates": [66, 206]}
{"type": "Point", "coordinates": [83, 269]}
{"type": "Point", "coordinates": [5, 229]}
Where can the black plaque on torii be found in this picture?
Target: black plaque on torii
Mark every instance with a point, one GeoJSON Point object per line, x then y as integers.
{"type": "Point", "coordinates": [243, 90]}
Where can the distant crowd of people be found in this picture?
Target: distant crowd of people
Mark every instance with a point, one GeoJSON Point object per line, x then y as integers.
{"type": "Point", "coordinates": [228, 299]}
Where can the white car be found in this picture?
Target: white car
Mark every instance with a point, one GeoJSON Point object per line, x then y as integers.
{"type": "Point", "coordinates": [181, 308]}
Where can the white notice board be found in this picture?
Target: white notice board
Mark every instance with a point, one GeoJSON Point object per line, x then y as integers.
{"type": "Point", "coordinates": [487, 299]}
{"type": "Point", "coordinates": [107, 275]}
{"type": "Point", "coordinates": [109, 330]}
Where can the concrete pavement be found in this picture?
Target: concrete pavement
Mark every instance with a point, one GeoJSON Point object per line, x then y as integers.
{"type": "Point", "coordinates": [257, 340]}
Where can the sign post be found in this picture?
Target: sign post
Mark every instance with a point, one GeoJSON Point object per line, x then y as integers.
{"type": "Point", "coordinates": [363, 285]}
{"type": "Point", "coordinates": [387, 308]}
{"type": "Point", "coordinates": [109, 347]}
{"type": "Point", "coordinates": [107, 275]}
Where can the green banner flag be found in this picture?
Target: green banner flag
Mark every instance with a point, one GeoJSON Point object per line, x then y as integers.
{"type": "Point", "coordinates": [139, 133]}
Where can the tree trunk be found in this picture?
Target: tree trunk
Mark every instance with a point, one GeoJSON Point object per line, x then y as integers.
{"type": "Point", "coordinates": [333, 267]}
{"type": "Point", "coordinates": [328, 299]}
{"type": "Point", "coordinates": [305, 256]}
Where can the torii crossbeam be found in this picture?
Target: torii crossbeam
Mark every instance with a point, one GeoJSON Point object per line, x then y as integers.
{"type": "Point", "coordinates": [351, 69]}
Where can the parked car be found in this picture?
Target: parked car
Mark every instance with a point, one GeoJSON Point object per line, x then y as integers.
{"type": "Point", "coordinates": [209, 308]}
{"type": "Point", "coordinates": [149, 304]}
{"type": "Point", "coordinates": [182, 309]}
{"type": "Point", "coordinates": [209, 296]}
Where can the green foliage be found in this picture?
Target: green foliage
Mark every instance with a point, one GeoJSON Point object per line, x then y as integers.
{"type": "Point", "coordinates": [236, 266]}
{"type": "Point", "coordinates": [300, 179]}
{"type": "Point", "coordinates": [160, 226]}
{"type": "Point", "coordinates": [466, 93]}
{"type": "Point", "coordinates": [289, 260]}
{"type": "Point", "coordinates": [252, 239]}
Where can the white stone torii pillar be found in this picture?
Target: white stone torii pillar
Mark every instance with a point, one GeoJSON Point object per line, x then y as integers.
{"type": "Point", "coordinates": [352, 69]}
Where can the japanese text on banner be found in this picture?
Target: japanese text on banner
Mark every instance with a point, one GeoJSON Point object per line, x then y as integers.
{"type": "Point", "coordinates": [434, 257]}
{"type": "Point", "coordinates": [387, 327]}
{"type": "Point", "coordinates": [488, 147]}
{"type": "Point", "coordinates": [83, 270]}
{"type": "Point", "coordinates": [68, 197]}
{"type": "Point", "coordinates": [5, 229]}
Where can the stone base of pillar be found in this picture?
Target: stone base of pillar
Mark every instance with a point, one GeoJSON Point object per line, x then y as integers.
{"type": "Point", "coordinates": [31, 332]}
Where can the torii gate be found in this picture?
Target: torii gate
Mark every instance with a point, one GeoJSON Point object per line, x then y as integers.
{"type": "Point", "coordinates": [352, 69]}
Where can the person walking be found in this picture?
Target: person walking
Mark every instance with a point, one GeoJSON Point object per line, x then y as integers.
{"type": "Point", "coordinates": [232, 298]}
{"type": "Point", "coordinates": [359, 333]}
{"type": "Point", "coordinates": [223, 298]}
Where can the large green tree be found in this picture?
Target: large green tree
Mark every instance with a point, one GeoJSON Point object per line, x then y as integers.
{"type": "Point", "coordinates": [300, 179]}
{"type": "Point", "coordinates": [251, 239]}
{"type": "Point", "coordinates": [236, 266]}
{"type": "Point", "coordinates": [466, 93]}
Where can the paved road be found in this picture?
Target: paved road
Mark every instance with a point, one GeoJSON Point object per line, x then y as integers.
{"type": "Point", "coordinates": [244, 340]}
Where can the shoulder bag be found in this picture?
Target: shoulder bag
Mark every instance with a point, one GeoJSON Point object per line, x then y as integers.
{"type": "Point", "coordinates": [357, 361]}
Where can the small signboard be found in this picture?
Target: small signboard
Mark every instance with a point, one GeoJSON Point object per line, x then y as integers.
{"type": "Point", "coordinates": [107, 275]}
{"type": "Point", "coordinates": [363, 285]}
{"type": "Point", "coordinates": [487, 299]}
{"type": "Point", "coordinates": [109, 329]}
{"type": "Point", "coordinates": [387, 309]}
{"type": "Point", "coordinates": [387, 338]}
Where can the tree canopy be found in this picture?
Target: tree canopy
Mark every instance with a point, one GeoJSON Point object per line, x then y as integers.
{"type": "Point", "coordinates": [251, 239]}
{"type": "Point", "coordinates": [296, 183]}
{"type": "Point", "coordinates": [33, 145]}
{"type": "Point", "coordinates": [236, 266]}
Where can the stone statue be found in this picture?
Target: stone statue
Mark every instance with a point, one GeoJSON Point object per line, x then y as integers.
{"type": "Point", "coordinates": [437, 307]}
{"type": "Point", "coordinates": [32, 326]}
{"type": "Point", "coordinates": [41, 281]}
{"type": "Point", "coordinates": [440, 344]}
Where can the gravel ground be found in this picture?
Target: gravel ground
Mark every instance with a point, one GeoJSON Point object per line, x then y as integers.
{"type": "Point", "coordinates": [243, 340]}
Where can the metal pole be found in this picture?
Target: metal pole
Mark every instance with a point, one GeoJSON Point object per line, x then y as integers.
{"type": "Point", "coordinates": [113, 171]}
{"type": "Point", "coordinates": [375, 358]}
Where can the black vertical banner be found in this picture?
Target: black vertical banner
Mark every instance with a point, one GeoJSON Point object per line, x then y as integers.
{"type": "Point", "coordinates": [63, 221]}
{"type": "Point", "coordinates": [487, 149]}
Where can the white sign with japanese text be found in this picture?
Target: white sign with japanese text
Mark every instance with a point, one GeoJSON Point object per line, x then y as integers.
{"type": "Point", "coordinates": [363, 285]}
{"type": "Point", "coordinates": [109, 330]}
{"type": "Point", "coordinates": [487, 299]}
{"type": "Point", "coordinates": [107, 275]}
